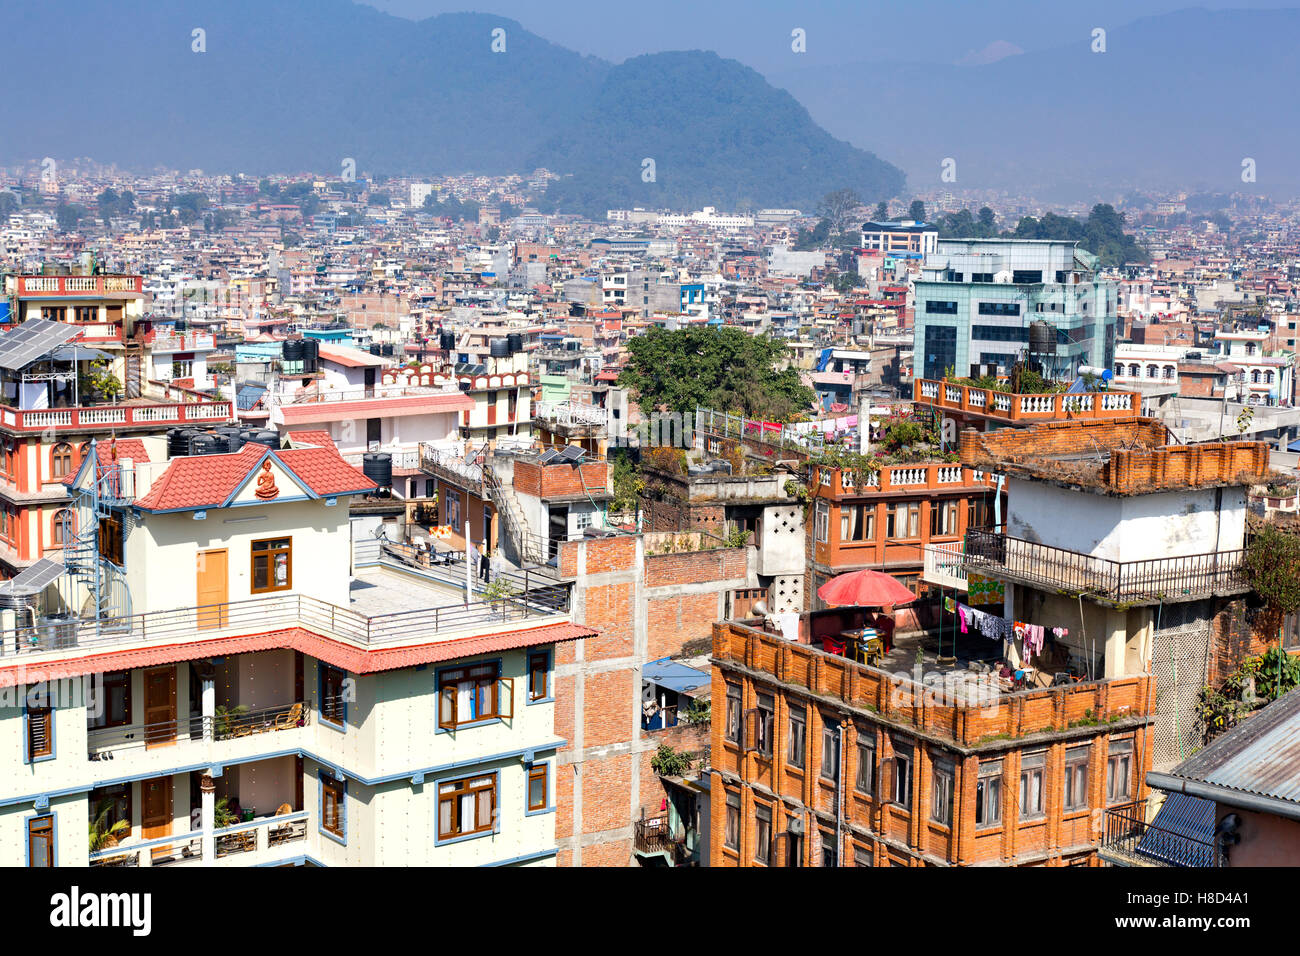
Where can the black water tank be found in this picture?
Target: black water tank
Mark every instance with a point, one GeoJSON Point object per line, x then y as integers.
{"type": "Point", "coordinates": [446, 340]}
{"type": "Point", "coordinates": [268, 436]}
{"type": "Point", "coordinates": [378, 467]}
{"type": "Point", "coordinates": [230, 436]}
{"type": "Point", "coordinates": [180, 325]}
{"type": "Point", "coordinates": [310, 355]}
{"type": "Point", "coordinates": [376, 349]}
{"type": "Point", "coordinates": [1042, 338]}
{"type": "Point", "coordinates": [389, 350]}
{"type": "Point", "coordinates": [498, 348]}
{"type": "Point", "coordinates": [515, 341]}
{"type": "Point", "coordinates": [292, 350]}
{"type": "Point", "coordinates": [178, 441]}
{"type": "Point", "coordinates": [206, 443]}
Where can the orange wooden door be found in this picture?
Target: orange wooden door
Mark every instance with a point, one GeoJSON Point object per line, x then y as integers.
{"type": "Point", "coordinates": [160, 707]}
{"type": "Point", "coordinates": [156, 814]}
{"type": "Point", "coordinates": [212, 588]}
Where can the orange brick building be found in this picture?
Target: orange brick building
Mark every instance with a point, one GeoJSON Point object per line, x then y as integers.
{"type": "Point", "coordinates": [821, 761]}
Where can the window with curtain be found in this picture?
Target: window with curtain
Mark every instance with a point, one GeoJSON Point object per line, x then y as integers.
{"type": "Point", "coordinates": [466, 806]}
{"type": "Point", "coordinates": [332, 704]}
{"type": "Point", "coordinates": [857, 522]}
{"type": "Point", "coordinates": [331, 806]}
{"type": "Point", "coordinates": [733, 713]}
{"type": "Point", "coordinates": [538, 785]}
{"type": "Point", "coordinates": [1032, 766]}
{"type": "Point", "coordinates": [1119, 771]}
{"type": "Point", "coordinates": [1076, 778]}
{"type": "Point", "coordinates": [941, 794]}
{"type": "Point", "coordinates": [468, 694]}
{"type": "Point", "coordinates": [61, 459]}
{"type": "Point", "coordinates": [866, 782]}
{"type": "Point", "coordinates": [798, 735]}
{"type": "Point", "coordinates": [40, 841]}
{"type": "Point", "coordinates": [731, 836]}
{"type": "Point", "coordinates": [988, 794]}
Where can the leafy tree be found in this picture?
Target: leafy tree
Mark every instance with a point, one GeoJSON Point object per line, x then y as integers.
{"type": "Point", "coordinates": [189, 207]}
{"type": "Point", "coordinates": [8, 204]}
{"type": "Point", "coordinates": [67, 215]}
{"type": "Point", "coordinates": [847, 281]}
{"type": "Point", "coordinates": [815, 238]}
{"type": "Point", "coordinates": [882, 211]}
{"type": "Point", "coordinates": [987, 223]}
{"type": "Point", "coordinates": [628, 483]}
{"type": "Point", "coordinates": [723, 368]}
{"type": "Point", "coordinates": [839, 207]}
{"type": "Point", "coordinates": [1273, 563]}
{"type": "Point", "coordinates": [916, 210]}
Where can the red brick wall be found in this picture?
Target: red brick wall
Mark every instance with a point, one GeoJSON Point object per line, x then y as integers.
{"type": "Point", "coordinates": [554, 481]}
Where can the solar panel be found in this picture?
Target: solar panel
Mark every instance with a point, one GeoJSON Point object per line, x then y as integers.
{"type": "Point", "coordinates": [41, 574]}
{"type": "Point", "coordinates": [572, 453]}
{"type": "Point", "coordinates": [33, 340]}
{"type": "Point", "coordinates": [549, 456]}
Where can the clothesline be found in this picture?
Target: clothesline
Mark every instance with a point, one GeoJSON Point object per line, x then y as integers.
{"type": "Point", "coordinates": [994, 627]}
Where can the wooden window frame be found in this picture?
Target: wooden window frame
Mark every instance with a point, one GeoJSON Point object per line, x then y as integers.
{"type": "Point", "coordinates": [534, 695]}
{"type": "Point", "coordinates": [117, 678]}
{"type": "Point", "coordinates": [42, 825]}
{"type": "Point", "coordinates": [797, 745]}
{"type": "Point", "coordinates": [943, 785]}
{"type": "Point", "coordinates": [269, 553]}
{"type": "Point", "coordinates": [731, 822]}
{"type": "Point", "coordinates": [831, 744]}
{"type": "Point", "coordinates": [988, 788]}
{"type": "Point", "coordinates": [122, 800]}
{"type": "Point", "coordinates": [733, 731]}
{"type": "Point", "coordinates": [466, 786]}
{"type": "Point", "coordinates": [61, 456]}
{"type": "Point", "coordinates": [485, 676]}
{"type": "Point", "coordinates": [38, 716]}
{"type": "Point", "coordinates": [333, 708]}
{"type": "Point", "coordinates": [1074, 762]}
{"type": "Point", "coordinates": [56, 526]}
{"type": "Point", "coordinates": [539, 771]}
{"type": "Point", "coordinates": [333, 796]}
{"type": "Point", "coordinates": [1121, 752]}
{"type": "Point", "coordinates": [763, 845]}
{"type": "Point", "coordinates": [111, 547]}
{"type": "Point", "coordinates": [866, 759]}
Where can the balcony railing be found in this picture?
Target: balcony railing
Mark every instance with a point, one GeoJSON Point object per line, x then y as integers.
{"type": "Point", "coordinates": [219, 727]}
{"type": "Point", "coordinates": [180, 342]}
{"type": "Point", "coordinates": [264, 834]}
{"type": "Point", "coordinates": [166, 851]}
{"type": "Point", "coordinates": [1039, 407]}
{"type": "Point", "coordinates": [108, 417]}
{"type": "Point", "coordinates": [77, 285]}
{"type": "Point", "coordinates": [288, 611]}
{"type": "Point", "coordinates": [1127, 582]}
{"type": "Point", "coordinates": [1130, 838]}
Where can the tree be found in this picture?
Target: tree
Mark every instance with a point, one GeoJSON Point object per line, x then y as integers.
{"type": "Point", "coordinates": [8, 205]}
{"type": "Point", "coordinates": [987, 223]}
{"type": "Point", "coordinates": [67, 215]}
{"type": "Point", "coordinates": [839, 207]}
{"type": "Point", "coordinates": [882, 211]}
{"type": "Point", "coordinates": [723, 368]}
{"type": "Point", "coordinates": [916, 211]}
{"type": "Point", "coordinates": [847, 281]}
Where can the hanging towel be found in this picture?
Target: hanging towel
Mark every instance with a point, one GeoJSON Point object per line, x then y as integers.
{"type": "Point", "coordinates": [961, 613]}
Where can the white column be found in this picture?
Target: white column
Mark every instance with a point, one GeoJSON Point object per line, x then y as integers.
{"type": "Point", "coordinates": [208, 814]}
{"type": "Point", "coordinates": [208, 705]}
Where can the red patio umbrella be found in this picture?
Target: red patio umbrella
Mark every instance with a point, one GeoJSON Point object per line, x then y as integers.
{"type": "Point", "coordinates": [865, 588]}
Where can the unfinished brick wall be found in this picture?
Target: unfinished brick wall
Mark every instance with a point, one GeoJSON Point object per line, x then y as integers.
{"type": "Point", "coordinates": [1139, 460]}
{"type": "Point", "coordinates": [558, 481]}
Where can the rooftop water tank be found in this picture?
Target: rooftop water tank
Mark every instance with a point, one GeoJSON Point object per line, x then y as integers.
{"type": "Point", "coordinates": [378, 467]}
{"type": "Point", "coordinates": [498, 348]}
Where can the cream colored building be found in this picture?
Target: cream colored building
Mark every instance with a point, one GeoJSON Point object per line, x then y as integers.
{"type": "Point", "coordinates": [237, 684]}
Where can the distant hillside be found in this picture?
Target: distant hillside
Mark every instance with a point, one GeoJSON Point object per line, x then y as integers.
{"type": "Point", "coordinates": [718, 134]}
{"type": "Point", "coordinates": [1176, 101]}
{"type": "Point", "coordinates": [288, 85]}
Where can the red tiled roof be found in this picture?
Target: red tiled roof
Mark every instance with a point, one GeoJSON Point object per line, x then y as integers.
{"type": "Point", "coordinates": [115, 449]}
{"type": "Point", "coordinates": [208, 481]}
{"type": "Point", "coordinates": [312, 436]}
{"type": "Point", "coordinates": [349, 658]}
{"type": "Point", "coordinates": [377, 408]}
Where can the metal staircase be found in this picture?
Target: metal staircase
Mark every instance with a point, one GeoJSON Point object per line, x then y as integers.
{"type": "Point", "coordinates": [530, 549]}
{"type": "Point", "coordinates": [133, 372]}
{"type": "Point", "coordinates": [107, 593]}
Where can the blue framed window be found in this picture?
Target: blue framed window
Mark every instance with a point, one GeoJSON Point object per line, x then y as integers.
{"type": "Point", "coordinates": [38, 726]}
{"type": "Point", "coordinates": [541, 676]}
{"type": "Point", "coordinates": [539, 792]}
{"type": "Point", "coordinates": [333, 808]}
{"type": "Point", "coordinates": [42, 840]}
{"type": "Point", "coordinates": [332, 685]}
{"type": "Point", "coordinates": [467, 807]}
{"type": "Point", "coordinates": [473, 694]}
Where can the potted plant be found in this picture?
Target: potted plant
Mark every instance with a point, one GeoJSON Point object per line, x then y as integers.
{"type": "Point", "coordinates": [223, 720]}
{"type": "Point", "coordinates": [103, 835]}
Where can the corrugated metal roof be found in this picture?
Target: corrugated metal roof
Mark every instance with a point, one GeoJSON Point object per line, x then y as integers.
{"type": "Point", "coordinates": [674, 676]}
{"type": "Point", "coordinates": [1260, 756]}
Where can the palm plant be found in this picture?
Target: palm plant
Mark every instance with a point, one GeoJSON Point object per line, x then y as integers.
{"type": "Point", "coordinates": [103, 834]}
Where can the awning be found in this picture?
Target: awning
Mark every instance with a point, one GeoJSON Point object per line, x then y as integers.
{"type": "Point", "coordinates": [675, 676]}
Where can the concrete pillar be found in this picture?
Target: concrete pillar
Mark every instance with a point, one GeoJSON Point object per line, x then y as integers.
{"type": "Point", "coordinates": [1116, 638]}
{"type": "Point", "coordinates": [208, 704]}
{"type": "Point", "coordinates": [1009, 612]}
{"type": "Point", "coordinates": [207, 818]}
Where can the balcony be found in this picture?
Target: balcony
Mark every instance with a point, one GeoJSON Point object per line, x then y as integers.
{"type": "Point", "coordinates": [107, 743]}
{"type": "Point", "coordinates": [653, 837]}
{"type": "Point", "coordinates": [111, 417]}
{"type": "Point", "coordinates": [1025, 409]}
{"type": "Point", "coordinates": [166, 851]}
{"type": "Point", "coordinates": [1153, 581]}
{"type": "Point", "coordinates": [84, 286]}
{"type": "Point", "coordinates": [917, 476]}
{"type": "Point", "coordinates": [180, 342]}
{"type": "Point", "coordinates": [945, 565]}
{"type": "Point", "coordinates": [1131, 841]}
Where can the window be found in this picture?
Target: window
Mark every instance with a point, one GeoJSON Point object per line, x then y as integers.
{"type": "Point", "coordinates": [272, 565]}
{"type": "Point", "coordinates": [903, 774]}
{"type": "Point", "coordinates": [1026, 276]}
{"type": "Point", "coordinates": [830, 852]}
{"type": "Point", "coordinates": [762, 834]}
{"type": "Point", "coordinates": [110, 538]}
{"type": "Point", "coordinates": [978, 513]}
{"type": "Point", "coordinates": [733, 713]}
{"type": "Point", "coordinates": [40, 841]}
{"type": "Point", "coordinates": [538, 784]}
{"type": "Point", "coordinates": [61, 460]}
{"type": "Point", "coordinates": [39, 718]}
{"type": "Point", "coordinates": [988, 794]}
{"type": "Point", "coordinates": [731, 836]}
{"type": "Point", "coordinates": [466, 807]}
{"type": "Point", "coordinates": [182, 368]}
{"type": "Point", "coordinates": [822, 519]}
{"type": "Point", "coordinates": [940, 308]}
{"type": "Point", "coordinates": [108, 700]}
{"type": "Point", "coordinates": [941, 794]}
{"type": "Point", "coordinates": [999, 333]}
{"type": "Point", "coordinates": [798, 735]}
{"type": "Point", "coordinates": [453, 510]}
{"type": "Point", "coordinates": [903, 521]}
{"type": "Point", "coordinates": [63, 525]}
{"type": "Point", "coordinates": [582, 520]}
{"type": "Point", "coordinates": [468, 694]}
{"type": "Point", "coordinates": [331, 806]}
{"type": "Point", "coordinates": [1076, 778]}
{"type": "Point", "coordinates": [830, 750]}
{"type": "Point", "coordinates": [115, 803]}
{"type": "Point", "coordinates": [857, 522]}
{"type": "Point", "coordinates": [766, 713]}
{"type": "Point", "coordinates": [333, 706]}
{"type": "Point", "coordinates": [999, 308]}
{"type": "Point", "coordinates": [943, 518]}
{"type": "Point", "coordinates": [866, 782]}
{"type": "Point", "coordinates": [1119, 771]}
{"type": "Point", "coordinates": [862, 856]}
{"type": "Point", "coordinates": [539, 666]}
{"type": "Point", "coordinates": [1031, 784]}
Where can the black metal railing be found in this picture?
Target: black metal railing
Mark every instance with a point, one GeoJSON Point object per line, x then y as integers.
{"type": "Point", "coordinates": [1128, 834]}
{"type": "Point", "coordinates": [224, 725]}
{"type": "Point", "coordinates": [1157, 579]}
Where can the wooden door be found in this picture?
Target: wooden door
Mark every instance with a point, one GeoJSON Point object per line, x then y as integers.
{"type": "Point", "coordinates": [211, 586]}
{"type": "Point", "coordinates": [156, 814]}
{"type": "Point", "coordinates": [160, 707]}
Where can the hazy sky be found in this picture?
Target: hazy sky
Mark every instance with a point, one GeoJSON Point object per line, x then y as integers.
{"type": "Point", "coordinates": [757, 32]}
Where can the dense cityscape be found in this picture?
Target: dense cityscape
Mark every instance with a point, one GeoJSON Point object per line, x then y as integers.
{"type": "Point", "coordinates": [384, 519]}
